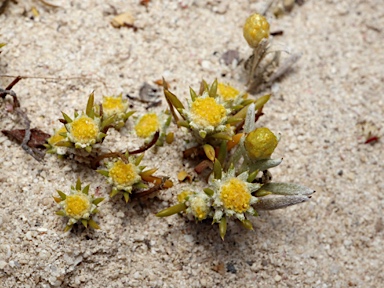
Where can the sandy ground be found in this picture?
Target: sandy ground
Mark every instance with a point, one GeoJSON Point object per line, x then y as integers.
{"type": "Point", "coordinates": [335, 240]}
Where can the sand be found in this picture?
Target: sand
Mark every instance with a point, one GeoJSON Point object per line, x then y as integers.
{"type": "Point", "coordinates": [335, 240]}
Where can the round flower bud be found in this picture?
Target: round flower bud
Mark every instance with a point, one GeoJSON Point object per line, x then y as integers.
{"type": "Point", "coordinates": [260, 143]}
{"type": "Point", "coordinates": [255, 29]}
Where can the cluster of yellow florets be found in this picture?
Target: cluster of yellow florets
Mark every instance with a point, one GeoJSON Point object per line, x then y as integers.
{"type": "Point", "coordinates": [256, 28]}
{"type": "Point", "coordinates": [78, 205]}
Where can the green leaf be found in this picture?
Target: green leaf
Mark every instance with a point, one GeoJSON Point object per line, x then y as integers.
{"type": "Point", "coordinates": [66, 117]}
{"type": "Point", "coordinates": [85, 223]}
{"type": "Point", "coordinates": [222, 155]}
{"type": "Point", "coordinates": [287, 189]}
{"type": "Point", "coordinates": [247, 224]}
{"type": "Point", "coordinates": [93, 224]}
{"type": "Point", "coordinates": [78, 184]}
{"type": "Point", "coordinates": [97, 200]}
{"type": "Point", "coordinates": [193, 94]}
{"type": "Point", "coordinates": [208, 191]}
{"type": "Point", "coordinates": [265, 164]}
{"type": "Point", "coordinates": [172, 210]}
{"type": "Point", "coordinates": [62, 195]}
{"type": "Point", "coordinates": [103, 172]}
{"type": "Point", "coordinates": [213, 89]}
{"type": "Point", "coordinates": [209, 152]}
{"type": "Point", "coordinates": [89, 110]}
{"type": "Point", "coordinates": [278, 202]}
{"type": "Point", "coordinates": [61, 213]}
{"type": "Point", "coordinates": [86, 189]}
{"type": "Point", "coordinates": [217, 171]}
{"type": "Point", "coordinates": [223, 227]}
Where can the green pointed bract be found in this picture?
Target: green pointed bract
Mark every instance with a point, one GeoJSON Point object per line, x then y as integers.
{"type": "Point", "coordinates": [172, 210]}
{"type": "Point", "coordinates": [88, 149]}
{"type": "Point", "coordinates": [217, 171]}
{"type": "Point", "coordinates": [62, 195]}
{"type": "Point", "coordinates": [85, 223]}
{"type": "Point", "coordinates": [67, 228]}
{"type": "Point", "coordinates": [221, 136]}
{"type": "Point", "coordinates": [89, 110]}
{"type": "Point", "coordinates": [75, 114]}
{"type": "Point", "coordinates": [64, 144]}
{"type": "Point", "coordinates": [203, 87]}
{"type": "Point", "coordinates": [193, 94]}
{"type": "Point", "coordinates": [107, 122]}
{"type": "Point", "coordinates": [234, 120]}
{"type": "Point", "coordinates": [247, 224]}
{"type": "Point", "coordinates": [66, 117]}
{"type": "Point", "coordinates": [173, 99]}
{"type": "Point", "coordinates": [209, 152]}
{"type": "Point", "coordinates": [140, 185]}
{"type": "Point", "coordinates": [262, 101]}
{"type": "Point", "coordinates": [94, 211]}
{"type": "Point", "coordinates": [93, 224]}
{"type": "Point", "coordinates": [86, 189]}
{"type": "Point", "coordinates": [138, 159]}
{"type": "Point", "coordinates": [103, 172]}
{"type": "Point", "coordinates": [213, 89]}
{"type": "Point", "coordinates": [203, 134]}
{"type": "Point", "coordinates": [287, 189]}
{"type": "Point", "coordinates": [97, 200]}
{"type": "Point", "coordinates": [252, 176]}
{"type": "Point", "coordinates": [113, 193]}
{"type": "Point", "coordinates": [78, 184]}
{"type": "Point", "coordinates": [223, 227]}
{"type": "Point", "coordinates": [222, 155]}
{"type": "Point", "coordinates": [126, 196]}
{"type": "Point", "coordinates": [208, 191]}
{"type": "Point", "coordinates": [63, 134]}
{"type": "Point", "coordinates": [61, 213]}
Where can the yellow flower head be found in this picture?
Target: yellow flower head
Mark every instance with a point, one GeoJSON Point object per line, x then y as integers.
{"type": "Point", "coordinates": [56, 138]}
{"type": "Point", "coordinates": [227, 92]}
{"type": "Point", "coordinates": [147, 125]}
{"type": "Point", "coordinates": [260, 143]}
{"type": "Point", "coordinates": [205, 111]}
{"type": "Point", "coordinates": [124, 174]}
{"type": "Point", "coordinates": [235, 195]}
{"type": "Point", "coordinates": [183, 196]}
{"type": "Point", "coordinates": [78, 206]}
{"type": "Point", "coordinates": [83, 130]}
{"type": "Point", "coordinates": [114, 105]}
{"type": "Point", "coordinates": [198, 206]}
{"type": "Point", "coordinates": [256, 28]}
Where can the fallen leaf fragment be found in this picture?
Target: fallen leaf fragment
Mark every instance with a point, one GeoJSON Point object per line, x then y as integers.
{"type": "Point", "coordinates": [38, 137]}
{"type": "Point", "coordinates": [123, 19]}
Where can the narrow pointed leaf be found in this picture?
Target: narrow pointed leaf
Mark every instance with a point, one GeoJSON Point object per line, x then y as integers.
{"type": "Point", "coordinates": [113, 193]}
{"type": "Point", "coordinates": [85, 223]}
{"type": "Point", "coordinates": [103, 172]}
{"type": "Point", "coordinates": [66, 117]}
{"type": "Point", "coordinates": [67, 228]}
{"type": "Point", "coordinates": [61, 213]}
{"type": "Point", "coordinates": [90, 103]}
{"type": "Point", "coordinates": [126, 196]}
{"type": "Point", "coordinates": [223, 227]}
{"type": "Point", "coordinates": [222, 155]}
{"type": "Point", "coordinates": [217, 171]}
{"type": "Point", "coordinates": [78, 184]}
{"type": "Point", "coordinates": [213, 89]}
{"type": "Point", "coordinates": [208, 191]}
{"type": "Point", "coordinates": [93, 224]}
{"type": "Point", "coordinates": [222, 136]}
{"type": "Point", "coordinates": [287, 189]}
{"type": "Point", "coordinates": [247, 224]}
{"type": "Point", "coordinates": [262, 101]}
{"type": "Point", "coordinates": [265, 164]}
{"type": "Point", "coordinates": [62, 195]}
{"type": "Point", "coordinates": [252, 176]}
{"type": "Point", "coordinates": [138, 159]}
{"type": "Point", "coordinates": [86, 189]}
{"type": "Point", "coordinates": [173, 99]}
{"type": "Point", "coordinates": [172, 210]}
{"type": "Point", "coordinates": [278, 202]}
{"type": "Point", "coordinates": [193, 94]}
{"type": "Point", "coordinates": [97, 200]}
